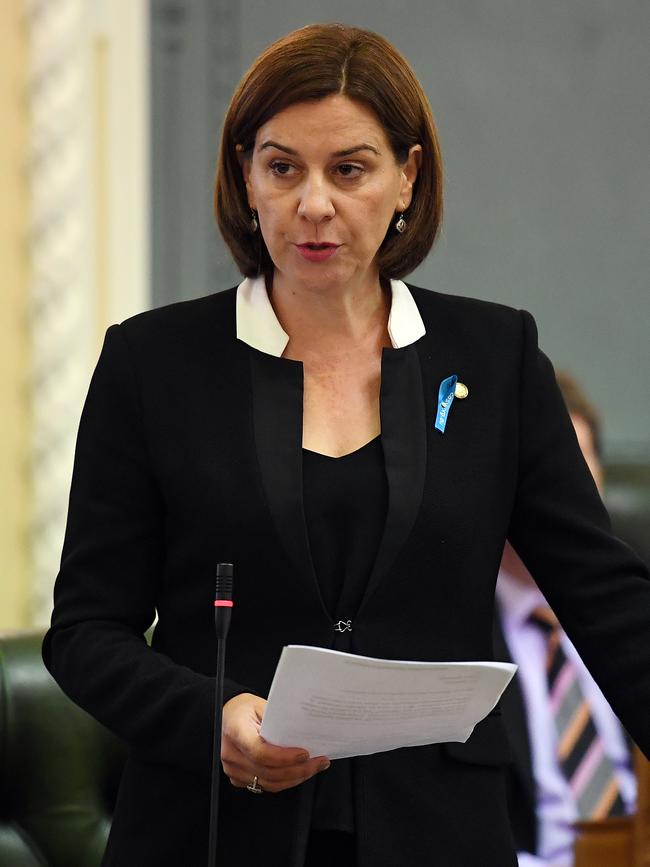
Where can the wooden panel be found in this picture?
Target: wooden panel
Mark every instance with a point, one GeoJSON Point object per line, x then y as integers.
{"type": "Point", "coordinates": [641, 832]}
{"type": "Point", "coordinates": [621, 842]}
{"type": "Point", "coordinates": [604, 844]}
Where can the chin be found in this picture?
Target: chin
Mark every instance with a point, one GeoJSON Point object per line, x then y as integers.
{"type": "Point", "coordinates": [317, 275]}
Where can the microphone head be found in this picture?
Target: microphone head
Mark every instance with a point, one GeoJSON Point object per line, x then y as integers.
{"type": "Point", "coordinates": [224, 581]}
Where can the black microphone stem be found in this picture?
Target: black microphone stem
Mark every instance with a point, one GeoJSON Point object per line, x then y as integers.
{"type": "Point", "coordinates": [222, 612]}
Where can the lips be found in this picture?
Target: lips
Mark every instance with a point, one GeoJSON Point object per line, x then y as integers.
{"type": "Point", "coordinates": [314, 251]}
{"type": "Point", "coordinates": [317, 245]}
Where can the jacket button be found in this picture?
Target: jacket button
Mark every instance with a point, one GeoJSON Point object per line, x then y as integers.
{"type": "Point", "coordinates": [343, 626]}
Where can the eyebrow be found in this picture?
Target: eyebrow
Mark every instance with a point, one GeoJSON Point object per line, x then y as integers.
{"type": "Point", "coordinates": [346, 152]}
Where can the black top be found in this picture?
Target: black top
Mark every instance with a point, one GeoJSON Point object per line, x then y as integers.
{"type": "Point", "coordinates": [345, 502]}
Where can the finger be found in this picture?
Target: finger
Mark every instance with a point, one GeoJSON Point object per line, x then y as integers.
{"type": "Point", "coordinates": [300, 772]}
{"type": "Point", "coordinates": [265, 756]}
{"type": "Point", "coordinates": [241, 768]}
{"type": "Point", "coordinates": [271, 786]}
{"type": "Point", "coordinates": [260, 752]}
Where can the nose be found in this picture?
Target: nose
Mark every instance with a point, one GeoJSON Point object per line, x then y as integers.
{"type": "Point", "coordinates": [315, 202]}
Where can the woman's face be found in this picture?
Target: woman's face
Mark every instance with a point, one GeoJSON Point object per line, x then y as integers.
{"type": "Point", "coordinates": [323, 172]}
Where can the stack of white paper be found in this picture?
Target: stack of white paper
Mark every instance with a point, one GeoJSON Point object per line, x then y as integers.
{"type": "Point", "coordinates": [338, 705]}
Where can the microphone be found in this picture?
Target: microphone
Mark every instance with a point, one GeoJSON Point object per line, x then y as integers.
{"type": "Point", "coordinates": [223, 605]}
{"type": "Point", "coordinates": [223, 600]}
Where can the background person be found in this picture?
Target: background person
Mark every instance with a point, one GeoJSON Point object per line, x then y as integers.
{"type": "Point", "coordinates": [291, 425]}
{"type": "Point", "coordinates": [554, 741]}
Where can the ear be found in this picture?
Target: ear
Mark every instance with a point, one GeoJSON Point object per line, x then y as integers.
{"type": "Point", "coordinates": [245, 163]}
{"type": "Point", "coordinates": [409, 174]}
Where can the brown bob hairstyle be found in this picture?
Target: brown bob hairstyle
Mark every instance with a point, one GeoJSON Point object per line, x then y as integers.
{"type": "Point", "coordinates": [310, 64]}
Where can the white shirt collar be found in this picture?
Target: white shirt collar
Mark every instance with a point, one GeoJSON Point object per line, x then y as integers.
{"type": "Point", "coordinates": [258, 326]}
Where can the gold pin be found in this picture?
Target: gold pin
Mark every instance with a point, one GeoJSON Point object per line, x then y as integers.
{"type": "Point", "coordinates": [461, 391]}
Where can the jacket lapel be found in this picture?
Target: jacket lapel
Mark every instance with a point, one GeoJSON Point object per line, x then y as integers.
{"type": "Point", "coordinates": [403, 435]}
{"type": "Point", "coordinates": [277, 418]}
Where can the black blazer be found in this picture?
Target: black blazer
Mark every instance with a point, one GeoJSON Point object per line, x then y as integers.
{"type": "Point", "coordinates": [189, 453]}
{"type": "Point", "coordinates": [520, 779]}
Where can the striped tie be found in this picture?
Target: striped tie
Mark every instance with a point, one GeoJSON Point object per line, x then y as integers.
{"type": "Point", "coordinates": [580, 750]}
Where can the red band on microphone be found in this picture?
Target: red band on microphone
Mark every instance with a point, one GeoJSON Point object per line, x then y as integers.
{"type": "Point", "coordinates": [223, 603]}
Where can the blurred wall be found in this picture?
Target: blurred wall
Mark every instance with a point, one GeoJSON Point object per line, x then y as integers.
{"type": "Point", "coordinates": [74, 229]}
{"type": "Point", "coordinates": [88, 176]}
{"type": "Point", "coordinates": [545, 127]}
{"type": "Point", "coordinates": [14, 348]}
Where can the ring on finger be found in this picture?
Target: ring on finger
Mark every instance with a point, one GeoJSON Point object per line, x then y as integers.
{"type": "Point", "coordinates": [254, 787]}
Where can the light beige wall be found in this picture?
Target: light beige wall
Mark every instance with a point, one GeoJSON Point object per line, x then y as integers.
{"type": "Point", "coordinates": [88, 185]}
{"type": "Point", "coordinates": [88, 109]}
{"type": "Point", "coordinates": [14, 344]}
{"type": "Point", "coordinates": [123, 67]}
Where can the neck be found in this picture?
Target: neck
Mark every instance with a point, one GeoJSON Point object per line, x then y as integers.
{"type": "Point", "coordinates": [332, 319]}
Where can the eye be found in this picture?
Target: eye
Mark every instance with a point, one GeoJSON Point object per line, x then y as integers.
{"type": "Point", "coordinates": [279, 168]}
{"type": "Point", "coordinates": [349, 170]}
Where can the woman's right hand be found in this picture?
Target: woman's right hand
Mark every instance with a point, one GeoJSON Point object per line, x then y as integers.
{"type": "Point", "coordinates": [245, 755]}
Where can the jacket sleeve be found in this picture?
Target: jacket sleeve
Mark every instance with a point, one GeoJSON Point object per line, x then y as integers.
{"type": "Point", "coordinates": [106, 590]}
{"type": "Point", "coordinates": [599, 589]}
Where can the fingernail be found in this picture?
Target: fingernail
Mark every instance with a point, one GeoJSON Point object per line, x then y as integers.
{"type": "Point", "coordinates": [303, 757]}
{"type": "Point", "coordinates": [323, 766]}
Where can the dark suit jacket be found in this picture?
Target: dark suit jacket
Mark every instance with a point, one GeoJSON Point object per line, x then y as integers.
{"type": "Point", "coordinates": [189, 453]}
{"type": "Point", "coordinates": [520, 780]}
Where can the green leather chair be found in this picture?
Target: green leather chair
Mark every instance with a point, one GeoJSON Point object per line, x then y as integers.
{"type": "Point", "coordinates": [59, 769]}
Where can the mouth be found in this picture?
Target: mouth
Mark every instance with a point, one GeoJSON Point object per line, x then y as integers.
{"type": "Point", "coordinates": [317, 252]}
{"type": "Point", "coordinates": [312, 245]}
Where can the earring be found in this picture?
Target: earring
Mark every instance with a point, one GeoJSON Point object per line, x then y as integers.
{"type": "Point", "coordinates": [254, 223]}
{"type": "Point", "coordinates": [401, 224]}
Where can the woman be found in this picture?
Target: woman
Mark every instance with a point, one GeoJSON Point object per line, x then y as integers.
{"type": "Point", "coordinates": [303, 427]}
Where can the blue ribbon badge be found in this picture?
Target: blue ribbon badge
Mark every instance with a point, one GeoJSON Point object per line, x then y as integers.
{"type": "Point", "coordinates": [445, 400]}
